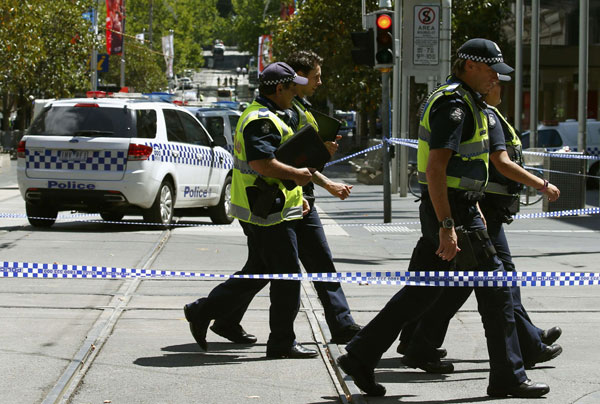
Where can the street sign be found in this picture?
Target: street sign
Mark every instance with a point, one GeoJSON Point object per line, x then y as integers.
{"type": "Point", "coordinates": [421, 39]}
{"type": "Point", "coordinates": [102, 62]}
{"type": "Point", "coordinates": [426, 35]}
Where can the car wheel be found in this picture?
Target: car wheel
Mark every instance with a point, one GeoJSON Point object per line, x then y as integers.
{"type": "Point", "coordinates": [221, 214]}
{"type": "Point", "coordinates": [161, 211]}
{"type": "Point", "coordinates": [111, 216]}
{"type": "Point", "coordinates": [40, 216]}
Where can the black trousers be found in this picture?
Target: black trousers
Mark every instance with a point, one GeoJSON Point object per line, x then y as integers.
{"type": "Point", "coordinates": [271, 249]}
{"type": "Point", "coordinates": [315, 255]}
{"type": "Point", "coordinates": [411, 303]}
{"type": "Point", "coordinates": [529, 335]}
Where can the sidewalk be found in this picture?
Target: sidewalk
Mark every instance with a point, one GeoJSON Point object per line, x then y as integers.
{"type": "Point", "coordinates": [145, 352]}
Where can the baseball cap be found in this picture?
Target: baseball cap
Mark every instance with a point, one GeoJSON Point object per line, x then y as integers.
{"type": "Point", "coordinates": [484, 51]}
{"type": "Point", "coordinates": [280, 72]}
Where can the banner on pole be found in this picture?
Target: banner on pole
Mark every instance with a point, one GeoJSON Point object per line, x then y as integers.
{"type": "Point", "coordinates": [169, 53]}
{"type": "Point", "coordinates": [115, 26]}
{"type": "Point", "coordinates": [265, 52]}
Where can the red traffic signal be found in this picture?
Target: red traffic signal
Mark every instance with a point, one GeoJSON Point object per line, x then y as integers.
{"type": "Point", "coordinates": [384, 21]}
{"type": "Point", "coordinates": [384, 38]}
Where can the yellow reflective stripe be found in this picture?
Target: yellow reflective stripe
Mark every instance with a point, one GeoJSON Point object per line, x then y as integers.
{"type": "Point", "coordinates": [464, 183]}
{"type": "Point", "coordinates": [243, 166]}
{"type": "Point", "coordinates": [495, 188]}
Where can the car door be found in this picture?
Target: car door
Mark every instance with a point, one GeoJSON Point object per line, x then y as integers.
{"type": "Point", "coordinates": [204, 162]}
{"type": "Point", "coordinates": [188, 159]}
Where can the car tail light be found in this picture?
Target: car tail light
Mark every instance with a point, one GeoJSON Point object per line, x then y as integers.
{"type": "Point", "coordinates": [138, 152]}
{"type": "Point", "coordinates": [85, 104]}
{"type": "Point", "coordinates": [95, 94]}
{"type": "Point", "coordinates": [21, 149]}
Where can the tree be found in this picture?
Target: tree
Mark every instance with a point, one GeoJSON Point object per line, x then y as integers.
{"type": "Point", "coordinates": [325, 28]}
{"type": "Point", "coordinates": [45, 49]}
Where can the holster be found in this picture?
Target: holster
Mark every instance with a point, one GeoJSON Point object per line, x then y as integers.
{"type": "Point", "coordinates": [264, 201]}
{"type": "Point", "coordinates": [475, 248]}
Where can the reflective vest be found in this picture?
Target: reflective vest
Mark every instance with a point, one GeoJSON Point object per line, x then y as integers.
{"type": "Point", "coordinates": [304, 115]}
{"type": "Point", "coordinates": [244, 176]}
{"type": "Point", "coordinates": [467, 169]}
{"type": "Point", "coordinates": [499, 184]}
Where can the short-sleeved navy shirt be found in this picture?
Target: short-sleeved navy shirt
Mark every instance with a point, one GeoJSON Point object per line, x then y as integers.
{"type": "Point", "coordinates": [261, 137]}
{"type": "Point", "coordinates": [451, 120]}
{"type": "Point", "coordinates": [497, 138]}
{"type": "Point", "coordinates": [495, 132]}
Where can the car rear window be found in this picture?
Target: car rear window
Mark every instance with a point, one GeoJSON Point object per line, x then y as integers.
{"type": "Point", "coordinates": [94, 122]}
{"type": "Point", "coordinates": [549, 138]}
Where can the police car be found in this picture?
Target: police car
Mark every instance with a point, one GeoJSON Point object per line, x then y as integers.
{"type": "Point", "coordinates": [122, 156]}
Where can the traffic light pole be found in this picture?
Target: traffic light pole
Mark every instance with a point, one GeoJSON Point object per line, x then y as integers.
{"type": "Point", "coordinates": [385, 135]}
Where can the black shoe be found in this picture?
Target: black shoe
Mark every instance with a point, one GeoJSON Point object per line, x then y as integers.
{"type": "Point", "coordinates": [344, 336]}
{"type": "Point", "coordinates": [430, 367]}
{"type": "Point", "coordinates": [363, 377]}
{"type": "Point", "coordinates": [402, 347]}
{"type": "Point", "coordinates": [234, 333]}
{"type": "Point", "coordinates": [551, 352]}
{"type": "Point", "coordinates": [198, 329]}
{"type": "Point", "coordinates": [527, 389]}
{"type": "Point", "coordinates": [550, 335]}
{"type": "Point", "coordinates": [296, 352]}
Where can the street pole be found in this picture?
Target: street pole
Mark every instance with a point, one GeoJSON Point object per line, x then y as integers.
{"type": "Point", "coordinates": [94, 61]}
{"type": "Point", "coordinates": [123, 48]}
{"type": "Point", "coordinates": [518, 65]}
{"type": "Point", "coordinates": [385, 134]}
{"type": "Point", "coordinates": [584, 20]}
{"type": "Point", "coordinates": [535, 65]}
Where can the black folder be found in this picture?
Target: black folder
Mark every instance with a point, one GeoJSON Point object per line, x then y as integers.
{"type": "Point", "coordinates": [304, 149]}
{"type": "Point", "coordinates": [328, 126]}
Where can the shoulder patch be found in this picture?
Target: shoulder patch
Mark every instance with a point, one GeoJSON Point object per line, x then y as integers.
{"type": "Point", "coordinates": [492, 121]}
{"type": "Point", "coordinates": [266, 127]}
{"type": "Point", "coordinates": [456, 115]}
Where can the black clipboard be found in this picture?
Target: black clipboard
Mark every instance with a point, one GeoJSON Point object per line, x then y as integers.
{"type": "Point", "coordinates": [304, 149]}
{"type": "Point", "coordinates": [328, 126]}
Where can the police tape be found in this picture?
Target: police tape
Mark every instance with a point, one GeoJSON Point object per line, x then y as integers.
{"type": "Point", "coordinates": [77, 218]}
{"type": "Point", "coordinates": [412, 278]}
{"type": "Point", "coordinates": [367, 150]}
{"type": "Point", "coordinates": [540, 169]}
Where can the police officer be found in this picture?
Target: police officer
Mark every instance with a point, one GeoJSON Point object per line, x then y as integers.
{"type": "Point", "coordinates": [313, 249]}
{"type": "Point", "coordinates": [268, 214]}
{"type": "Point", "coordinates": [500, 203]}
{"type": "Point", "coordinates": [452, 165]}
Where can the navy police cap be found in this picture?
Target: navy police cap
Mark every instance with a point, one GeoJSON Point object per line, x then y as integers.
{"type": "Point", "coordinates": [280, 72]}
{"type": "Point", "coordinates": [484, 51]}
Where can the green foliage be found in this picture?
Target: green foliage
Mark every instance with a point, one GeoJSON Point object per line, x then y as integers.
{"type": "Point", "coordinates": [325, 27]}
{"type": "Point", "coordinates": [481, 19]}
{"type": "Point", "coordinates": [44, 48]}
{"type": "Point", "coordinates": [251, 19]}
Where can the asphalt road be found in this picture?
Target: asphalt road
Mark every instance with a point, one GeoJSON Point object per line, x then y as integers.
{"type": "Point", "coordinates": [126, 341]}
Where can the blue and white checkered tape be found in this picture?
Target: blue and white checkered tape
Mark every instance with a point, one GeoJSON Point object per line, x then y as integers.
{"type": "Point", "coordinates": [413, 278]}
{"type": "Point", "coordinates": [97, 160]}
{"type": "Point", "coordinates": [191, 154]}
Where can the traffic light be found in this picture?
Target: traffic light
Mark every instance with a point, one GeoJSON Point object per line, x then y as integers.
{"type": "Point", "coordinates": [384, 38]}
{"type": "Point", "coordinates": [362, 54]}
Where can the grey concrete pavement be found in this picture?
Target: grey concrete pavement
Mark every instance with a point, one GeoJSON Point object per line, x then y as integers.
{"type": "Point", "coordinates": [146, 353]}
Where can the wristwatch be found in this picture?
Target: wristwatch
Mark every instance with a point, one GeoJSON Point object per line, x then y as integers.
{"type": "Point", "coordinates": [447, 223]}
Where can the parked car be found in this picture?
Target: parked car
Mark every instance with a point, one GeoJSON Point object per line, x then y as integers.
{"type": "Point", "coordinates": [556, 135]}
{"type": "Point", "coordinates": [220, 123]}
{"type": "Point", "coordinates": [348, 119]}
{"type": "Point", "coordinates": [119, 156]}
{"type": "Point", "coordinates": [185, 83]}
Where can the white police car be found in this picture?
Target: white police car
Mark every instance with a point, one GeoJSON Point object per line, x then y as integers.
{"type": "Point", "coordinates": [120, 156]}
